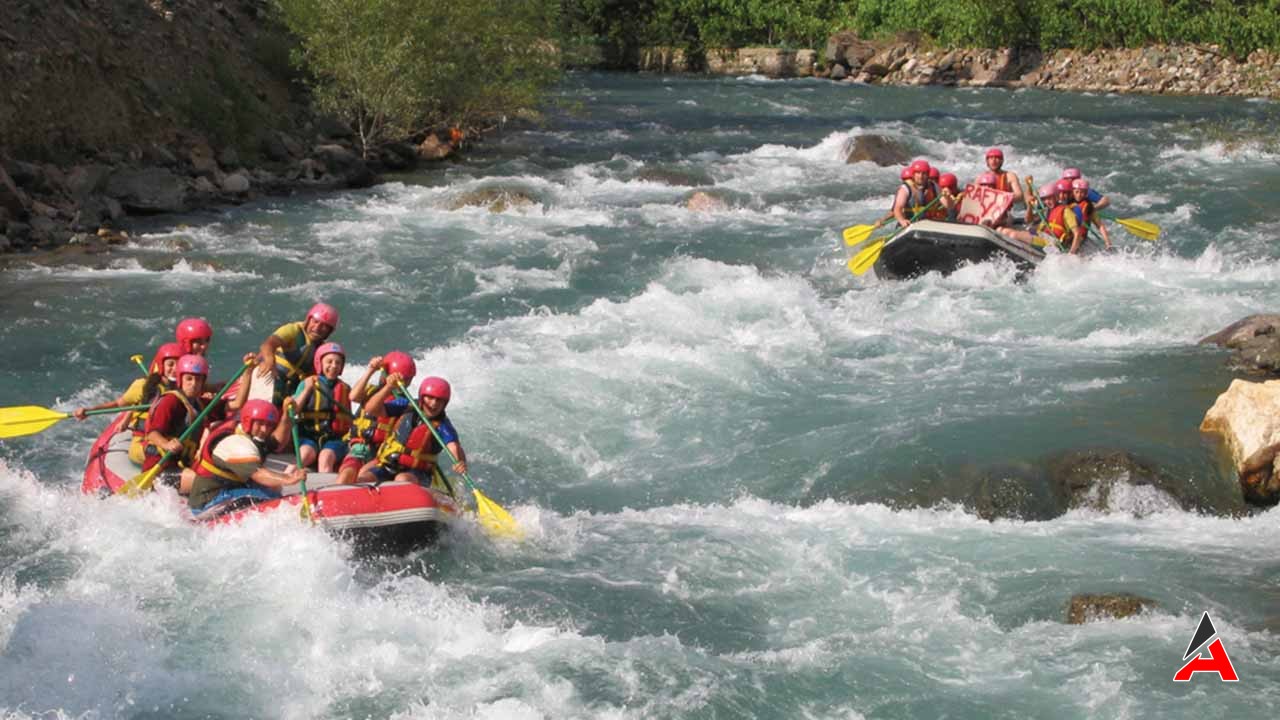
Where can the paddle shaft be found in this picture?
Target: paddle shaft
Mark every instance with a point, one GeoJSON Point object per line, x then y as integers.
{"type": "Point", "coordinates": [297, 458]}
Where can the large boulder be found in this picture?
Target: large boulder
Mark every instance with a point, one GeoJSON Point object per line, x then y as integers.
{"type": "Point", "coordinates": [845, 48]}
{"type": "Point", "coordinates": [13, 200]}
{"type": "Point", "coordinates": [148, 191]}
{"type": "Point", "coordinates": [1088, 608]}
{"type": "Point", "coordinates": [347, 167]}
{"type": "Point", "coordinates": [496, 199]}
{"type": "Point", "coordinates": [877, 149]}
{"type": "Point", "coordinates": [1247, 418]}
{"type": "Point", "coordinates": [1255, 341]}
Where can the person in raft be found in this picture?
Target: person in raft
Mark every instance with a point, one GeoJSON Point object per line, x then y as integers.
{"type": "Point", "coordinates": [161, 377]}
{"type": "Point", "coordinates": [991, 180]}
{"type": "Point", "coordinates": [1007, 180]}
{"type": "Point", "coordinates": [232, 457]}
{"type": "Point", "coordinates": [286, 357]}
{"type": "Point", "coordinates": [1085, 214]}
{"type": "Point", "coordinates": [324, 410]}
{"type": "Point", "coordinates": [1044, 234]}
{"type": "Point", "coordinates": [193, 336]}
{"type": "Point", "coordinates": [409, 452]}
{"type": "Point", "coordinates": [948, 185]}
{"type": "Point", "coordinates": [367, 429]}
{"type": "Point", "coordinates": [1100, 201]}
{"type": "Point", "coordinates": [915, 194]}
{"type": "Point", "coordinates": [172, 413]}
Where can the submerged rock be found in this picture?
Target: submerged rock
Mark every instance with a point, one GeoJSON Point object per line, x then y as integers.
{"type": "Point", "coordinates": [1089, 608]}
{"type": "Point", "coordinates": [1247, 419]}
{"type": "Point", "coordinates": [497, 199]}
{"type": "Point", "coordinates": [1091, 479]}
{"type": "Point", "coordinates": [877, 149]}
{"type": "Point", "coordinates": [703, 201]}
{"type": "Point", "coordinates": [679, 177]}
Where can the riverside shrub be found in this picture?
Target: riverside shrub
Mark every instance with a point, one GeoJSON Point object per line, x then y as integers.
{"type": "Point", "coordinates": [395, 67]}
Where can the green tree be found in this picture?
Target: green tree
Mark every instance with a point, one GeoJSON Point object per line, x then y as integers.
{"type": "Point", "coordinates": [392, 68]}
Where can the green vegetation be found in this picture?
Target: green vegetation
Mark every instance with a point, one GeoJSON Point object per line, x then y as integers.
{"type": "Point", "coordinates": [1238, 26]}
{"type": "Point", "coordinates": [393, 68]}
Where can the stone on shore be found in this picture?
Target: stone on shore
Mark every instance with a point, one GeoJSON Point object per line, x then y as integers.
{"type": "Point", "coordinates": [148, 191]}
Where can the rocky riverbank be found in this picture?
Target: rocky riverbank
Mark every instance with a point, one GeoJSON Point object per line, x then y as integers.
{"type": "Point", "coordinates": [1191, 70]}
{"type": "Point", "coordinates": [112, 110]}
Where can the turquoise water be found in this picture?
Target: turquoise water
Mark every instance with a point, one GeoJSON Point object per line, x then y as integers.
{"type": "Point", "coordinates": [747, 477]}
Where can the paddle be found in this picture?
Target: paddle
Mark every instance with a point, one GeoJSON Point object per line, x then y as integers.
{"type": "Point", "coordinates": [297, 455]}
{"type": "Point", "coordinates": [31, 419]}
{"type": "Point", "coordinates": [492, 516]}
{"type": "Point", "coordinates": [859, 233]}
{"type": "Point", "coordinates": [138, 360]}
{"type": "Point", "coordinates": [1138, 228]}
{"type": "Point", "coordinates": [1038, 206]}
{"type": "Point", "coordinates": [143, 482]}
{"type": "Point", "coordinates": [866, 257]}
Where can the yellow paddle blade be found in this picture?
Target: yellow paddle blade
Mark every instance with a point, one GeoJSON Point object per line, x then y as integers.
{"type": "Point", "coordinates": [27, 420]}
{"type": "Point", "coordinates": [857, 233]}
{"type": "Point", "coordinates": [493, 518]}
{"type": "Point", "coordinates": [1140, 228]}
{"type": "Point", "coordinates": [866, 257]}
{"type": "Point", "coordinates": [141, 483]}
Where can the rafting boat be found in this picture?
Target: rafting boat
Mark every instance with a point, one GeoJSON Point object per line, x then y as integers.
{"type": "Point", "coordinates": [390, 517]}
{"type": "Point", "coordinates": [936, 246]}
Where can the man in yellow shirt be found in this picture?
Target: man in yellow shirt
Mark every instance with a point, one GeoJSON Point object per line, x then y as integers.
{"type": "Point", "coordinates": [287, 355]}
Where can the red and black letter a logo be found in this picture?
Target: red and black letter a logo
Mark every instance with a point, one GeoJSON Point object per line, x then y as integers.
{"type": "Point", "coordinates": [1217, 662]}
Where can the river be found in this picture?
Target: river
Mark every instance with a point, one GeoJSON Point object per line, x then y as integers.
{"type": "Point", "coordinates": [747, 477]}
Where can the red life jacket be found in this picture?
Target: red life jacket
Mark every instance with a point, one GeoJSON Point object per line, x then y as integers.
{"type": "Point", "coordinates": [1057, 225]}
{"type": "Point", "coordinates": [1002, 182]}
{"type": "Point", "coordinates": [413, 443]}
{"type": "Point", "coordinates": [919, 198]}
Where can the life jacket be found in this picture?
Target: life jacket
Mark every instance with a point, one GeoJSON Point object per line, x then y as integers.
{"type": "Point", "coordinates": [369, 430]}
{"type": "Point", "coordinates": [1002, 182]}
{"type": "Point", "coordinates": [150, 393]}
{"type": "Point", "coordinates": [190, 445]}
{"type": "Point", "coordinates": [1057, 225]}
{"type": "Point", "coordinates": [919, 198]}
{"type": "Point", "coordinates": [413, 446]}
{"type": "Point", "coordinates": [208, 467]}
{"type": "Point", "coordinates": [294, 365]}
{"type": "Point", "coordinates": [1084, 212]}
{"type": "Point", "coordinates": [327, 415]}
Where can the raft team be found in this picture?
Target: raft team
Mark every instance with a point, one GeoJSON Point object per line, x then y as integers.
{"type": "Point", "coordinates": [224, 458]}
{"type": "Point", "coordinates": [1060, 212]}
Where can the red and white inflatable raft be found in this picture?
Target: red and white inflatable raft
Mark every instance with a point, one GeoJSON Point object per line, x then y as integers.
{"type": "Point", "coordinates": [391, 517]}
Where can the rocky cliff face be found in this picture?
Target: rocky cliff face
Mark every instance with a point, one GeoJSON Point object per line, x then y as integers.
{"type": "Point", "coordinates": [111, 108]}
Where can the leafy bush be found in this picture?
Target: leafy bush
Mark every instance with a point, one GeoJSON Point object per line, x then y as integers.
{"type": "Point", "coordinates": [393, 68]}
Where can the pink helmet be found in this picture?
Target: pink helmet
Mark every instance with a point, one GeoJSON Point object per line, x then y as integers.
{"type": "Point", "coordinates": [987, 179]}
{"type": "Point", "coordinates": [905, 174]}
{"type": "Point", "coordinates": [167, 351]}
{"type": "Point", "coordinates": [995, 153]}
{"type": "Point", "coordinates": [919, 166]}
{"type": "Point", "coordinates": [1079, 184]}
{"type": "Point", "coordinates": [193, 365]}
{"type": "Point", "coordinates": [1048, 190]}
{"type": "Point", "coordinates": [948, 180]}
{"type": "Point", "coordinates": [329, 348]}
{"type": "Point", "coordinates": [435, 387]}
{"type": "Point", "coordinates": [1071, 174]}
{"type": "Point", "coordinates": [258, 410]}
{"type": "Point", "coordinates": [933, 173]}
{"type": "Point", "coordinates": [1062, 186]}
{"type": "Point", "coordinates": [193, 328]}
{"type": "Point", "coordinates": [324, 313]}
{"type": "Point", "coordinates": [401, 364]}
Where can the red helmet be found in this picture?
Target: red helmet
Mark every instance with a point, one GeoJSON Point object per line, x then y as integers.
{"type": "Point", "coordinates": [919, 166]}
{"type": "Point", "coordinates": [1062, 186]}
{"type": "Point", "coordinates": [324, 313]}
{"type": "Point", "coordinates": [435, 387]}
{"type": "Point", "coordinates": [1079, 184]}
{"type": "Point", "coordinates": [329, 348]}
{"type": "Point", "coordinates": [987, 179]}
{"type": "Point", "coordinates": [400, 364]}
{"type": "Point", "coordinates": [948, 180]}
{"type": "Point", "coordinates": [167, 351]}
{"type": "Point", "coordinates": [258, 410]}
{"type": "Point", "coordinates": [1071, 174]}
{"type": "Point", "coordinates": [193, 329]}
{"type": "Point", "coordinates": [933, 173]}
{"type": "Point", "coordinates": [995, 153]}
{"type": "Point", "coordinates": [193, 365]}
{"type": "Point", "coordinates": [905, 174]}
